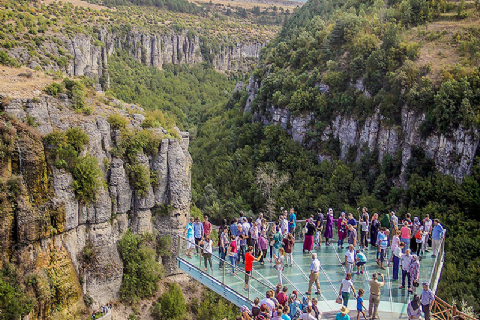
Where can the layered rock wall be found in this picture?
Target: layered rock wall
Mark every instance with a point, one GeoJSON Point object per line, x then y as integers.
{"type": "Point", "coordinates": [453, 153]}
{"type": "Point", "coordinates": [87, 56]}
{"type": "Point", "coordinates": [46, 219]}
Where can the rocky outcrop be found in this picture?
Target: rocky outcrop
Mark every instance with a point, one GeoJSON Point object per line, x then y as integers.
{"type": "Point", "coordinates": [87, 55]}
{"type": "Point", "coordinates": [453, 153]}
{"type": "Point", "coordinates": [47, 220]}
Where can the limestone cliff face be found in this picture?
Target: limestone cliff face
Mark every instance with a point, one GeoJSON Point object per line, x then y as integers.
{"type": "Point", "coordinates": [453, 154]}
{"type": "Point", "coordinates": [81, 54]}
{"type": "Point", "coordinates": [44, 227]}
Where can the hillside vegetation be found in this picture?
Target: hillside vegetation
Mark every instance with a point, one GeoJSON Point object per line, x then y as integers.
{"type": "Point", "coordinates": [355, 58]}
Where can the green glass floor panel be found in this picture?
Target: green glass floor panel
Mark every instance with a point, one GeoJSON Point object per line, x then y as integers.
{"type": "Point", "coordinates": [393, 299]}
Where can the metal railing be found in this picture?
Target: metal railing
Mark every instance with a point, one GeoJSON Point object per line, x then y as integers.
{"type": "Point", "coordinates": [438, 265]}
{"type": "Point", "coordinates": [255, 284]}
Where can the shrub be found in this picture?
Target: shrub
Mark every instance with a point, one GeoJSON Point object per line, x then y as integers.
{"type": "Point", "coordinates": [117, 121]}
{"type": "Point", "coordinates": [5, 59]}
{"type": "Point", "coordinates": [14, 303]}
{"type": "Point", "coordinates": [77, 138]}
{"type": "Point", "coordinates": [140, 178]}
{"type": "Point", "coordinates": [141, 270]}
{"type": "Point", "coordinates": [171, 305]}
{"type": "Point", "coordinates": [87, 178]}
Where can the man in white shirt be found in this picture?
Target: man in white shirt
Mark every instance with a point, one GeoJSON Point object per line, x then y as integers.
{"type": "Point", "coordinates": [269, 302]}
{"type": "Point", "coordinates": [405, 261]}
{"type": "Point", "coordinates": [427, 228]}
{"type": "Point", "coordinates": [350, 259]}
{"type": "Point", "coordinates": [259, 219]}
{"type": "Point", "coordinates": [284, 225]}
{"type": "Point", "coordinates": [314, 273]}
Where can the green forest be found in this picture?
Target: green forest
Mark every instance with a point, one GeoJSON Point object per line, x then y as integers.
{"type": "Point", "coordinates": [336, 45]}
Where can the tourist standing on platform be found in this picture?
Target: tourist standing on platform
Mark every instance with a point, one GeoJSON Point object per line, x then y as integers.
{"type": "Point", "coordinates": [207, 226]}
{"type": "Point", "coordinates": [419, 237]}
{"type": "Point", "coordinates": [350, 259]}
{"type": "Point", "coordinates": [307, 315]}
{"type": "Point", "coordinates": [249, 258]}
{"type": "Point", "coordinates": [314, 273]}
{"type": "Point", "coordinates": [364, 224]}
{"type": "Point", "coordinates": [317, 312]}
{"type": "Point", "coordinates": [374, 299]}
{"type": "Point", "coordinates": [352, 235]}
{"type": "Point", "coordinates": [233, 227]}
{"type": "Point", "coordinates": [427, 228]}
{"type": "Point", "coordinates": [284, 224]}
{"type": "Point", "coordinates": [405, 236]}
{"type": "Point", "coordinates": [395, 242]}
{"type": "Point", "coordinates": [282, 296]}
{"type": "Point", "coordinates": [278, 240]}
{"type": "Point", "coordinates": [288, 243]}
{"type": "Point", "coordinates": [242, 242]}
{"type": "Point", "coordinates": [256, 307]}
{"type": "Point", "coordinates": [259, 219]}
{"type": "Point", "coordinates": [198, 233]}
{"type": "Point", "coordinates": [265, 226]}
{"type": "Point", "coordinates": [271, 233]}
{"type": "Point", "coordinates": [343, 314]}
{"type": "Point", "coordinates": [397, 256]}
{"type": "Point", "coordinates": [382, 244]}
{"type": "Point", "coordinates": [190, 238]}
{"type": "Point", "coordinates": [292, 221]}
{"type": "Point", "coordinates": [308, 241]}
{"type": "Point", "coordinates": [263, 245]}
{"type": "Point", "coordinates": [351, 222]}
{"type": "Point", "coordinates": [414, 273]}
{"type": "Point", "coordinates": [361, 259]}
{"type": "Point", "coordinates": [279, 262]}
{"type": "Point", "coordinates": [360, 306]}
{"type": "Point", "coordinates": [413, 310]}
{"type": "Point", "coordinates": [437, 236]}
{"type": "Point", "coordinates": [408, 221]}
{"type": "Point", "coordinates": [328, 234]}
{"type": "Point", "coordinates": [345, 287]}
{"type": "Point", "coordinates": [318, 233]}
{"type": "Point", "coordinates": [385, 222]}
{"type": "Point", "coordinates": [393, 222]}
{"type": "Point", "coordinates": [415, 227]}
{"type": "Point", "coordinates": [341, 229]}
{"type": "Point", "coordinates": [268, 302]}
{"type": "Point", "coordinates": [254, 234]}
{"type": "Point", "coordinates": [232, 253]}
{"type": "Point", "coordinates": [207, 244]}
{"type": "Point", "coordinates": [427, 298]}
{"type": "Point", "coordinates": [374, 226]}
{"type": "Point", "coordinates": [405, 263]}
{"type": "Point", "coordinates": [223, 247]}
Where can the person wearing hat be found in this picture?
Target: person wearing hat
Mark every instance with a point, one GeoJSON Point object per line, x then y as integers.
{"type": "Point", "coordinates": [413, 310]}
{"type": "Point", "coordinates": [427, 298]}
{"type": "Point", "coordinates": [343, 314]}
{"type": "Point", "coordinates": [314, 273]}
{"type": "Point", "coordinates": [374, 299]}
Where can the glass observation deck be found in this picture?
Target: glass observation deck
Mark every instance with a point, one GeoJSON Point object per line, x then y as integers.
{"type": "Point", "coordinates": [264, 278]}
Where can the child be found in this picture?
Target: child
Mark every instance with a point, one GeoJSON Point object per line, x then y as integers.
{"type": "Point", "coordinates": [361, 259]}
{"type": "Point", "coordinates": [360, 306]}
{"type": "Point", "coordinates": [256, 307]}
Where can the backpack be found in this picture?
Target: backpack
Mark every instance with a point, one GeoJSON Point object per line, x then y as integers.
{"type": "Point", "coordinates": [418, 236]}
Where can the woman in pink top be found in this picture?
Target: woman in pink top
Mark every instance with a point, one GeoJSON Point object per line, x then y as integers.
{"type": "Point", "coordinates": [232, 253]}
{"type": "Point", "coordinates": [406, 232]}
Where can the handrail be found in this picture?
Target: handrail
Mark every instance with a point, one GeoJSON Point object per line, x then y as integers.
{"type": "Point", "coordinates": [390, 288]}
{"type": "Point", "coordinates": [224, 261]}
{"type": "Point", "coordinates": [450, 311]}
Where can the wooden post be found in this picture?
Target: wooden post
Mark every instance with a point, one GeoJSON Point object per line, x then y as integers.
{"type": "Point", "coordinates": [454, 311]}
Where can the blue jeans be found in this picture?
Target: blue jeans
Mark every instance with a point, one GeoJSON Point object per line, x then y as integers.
{"type": "Point", "coordinates": [407, 244]}
{"type": "Point", "coordinates": [222, 255]}
{"type": "Point", "coordinates": [233, 261]}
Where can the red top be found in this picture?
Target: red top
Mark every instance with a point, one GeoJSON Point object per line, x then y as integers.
{"type": "Point", "coordinates": [282, 298]}
{"type": "Point", "coordinates": [207, 227]}
{"type": "Point", "coordinates": [233, 246]}
{"type": "Point", "coordinates": [249, 261]}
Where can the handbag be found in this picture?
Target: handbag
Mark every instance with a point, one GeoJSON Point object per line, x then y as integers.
{"type": "Point", "coordinates": [339, 300]}
{"type": "Point", "coordinates": [416, 283]}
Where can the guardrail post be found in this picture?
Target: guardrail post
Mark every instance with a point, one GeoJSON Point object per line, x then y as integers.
{"type": "Point", "coordinates": [178, 245]}
{"type": "Point", "coordinates": [223, 276]}
{"type": "Point", "coordinates": [454, 311]}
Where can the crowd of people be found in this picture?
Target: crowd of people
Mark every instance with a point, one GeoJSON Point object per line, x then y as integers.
{"type": "Point", "coordinates": [246, 240]}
